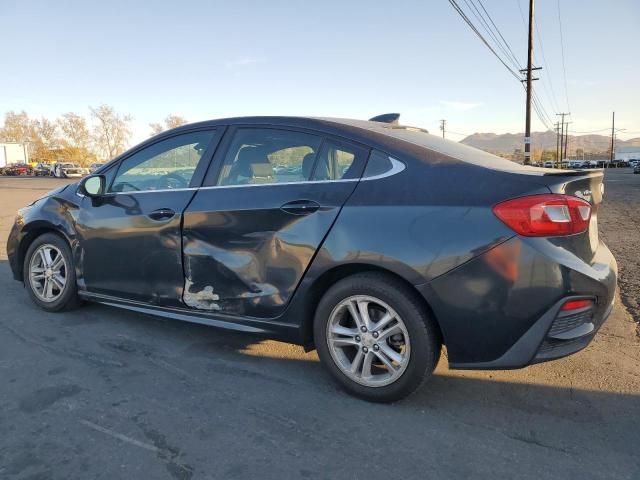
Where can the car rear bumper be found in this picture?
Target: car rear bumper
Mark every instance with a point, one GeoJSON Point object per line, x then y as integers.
{"type": "Point", "coordinates": [502, 310]}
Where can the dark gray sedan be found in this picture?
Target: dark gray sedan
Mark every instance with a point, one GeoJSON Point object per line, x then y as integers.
{"type": "Point", "coordinates": [372, 242]}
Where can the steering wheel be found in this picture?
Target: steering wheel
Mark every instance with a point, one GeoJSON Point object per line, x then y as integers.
{"type": "Point", "coordinates": [172, 180]}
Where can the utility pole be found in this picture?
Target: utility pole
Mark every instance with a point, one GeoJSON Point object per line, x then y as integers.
{"type": "Point", "coordinates": [527, 128]}
{"type": "Point", "coordinates": [566, 140]}
{"type": "Point", "coordinates": [563, 114]}
{"type": "Point", "coordinates": [557, 143]}
{"type": "Point", "coordinates": [443, 124]}
{"type": "Point", "coordinates": [613, 133]}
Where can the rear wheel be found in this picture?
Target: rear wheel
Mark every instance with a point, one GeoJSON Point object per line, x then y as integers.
{"type": "Point", "coordinates": [375, 337]}
{"type": "Point", "coordinates": [49, 274]}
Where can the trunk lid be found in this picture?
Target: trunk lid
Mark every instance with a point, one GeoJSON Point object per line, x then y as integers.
{"type": "Point", "coordinates": [589, 186]}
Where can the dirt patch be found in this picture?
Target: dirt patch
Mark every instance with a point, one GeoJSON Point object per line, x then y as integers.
{"type": "Point", "coordinates": [619, 221]}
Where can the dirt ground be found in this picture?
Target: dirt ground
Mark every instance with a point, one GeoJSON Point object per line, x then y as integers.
{"type": "Point", "coordinates": [619, 222]}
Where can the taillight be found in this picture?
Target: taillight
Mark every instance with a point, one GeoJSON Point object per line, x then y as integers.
{"type": "Point", "coordinates": [545, 215]}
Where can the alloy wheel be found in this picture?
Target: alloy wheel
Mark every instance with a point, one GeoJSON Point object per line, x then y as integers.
{"type": "Point", "coordinates": [368, 341]}
{"type": "Point", "coordinates": [48, 273]}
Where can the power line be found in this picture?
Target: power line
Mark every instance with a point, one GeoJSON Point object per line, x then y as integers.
{"type": "Point", "coordinates": [545, 79]}
{"type": "Point", "coordinates": [564, 68]}
{"type": "Point", "coordinates": [489, 26]}
{"type": "Point", "coordinates": [552, 97]}
{"type": "Point", "coordinates": [483, 22]}
{"type": "Point", "coordinates": [457, 8]}
{"type": "Point", "coordinates": [513, 55]}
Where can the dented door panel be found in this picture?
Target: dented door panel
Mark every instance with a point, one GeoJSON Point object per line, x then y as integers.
{"type": "Point", "coordinates": [243, 254]}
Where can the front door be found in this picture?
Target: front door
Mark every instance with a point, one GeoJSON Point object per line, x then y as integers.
{"type": "Point", "coordinates": [250, 233]}
{"type": "Point", "coordinates": [129, 238]}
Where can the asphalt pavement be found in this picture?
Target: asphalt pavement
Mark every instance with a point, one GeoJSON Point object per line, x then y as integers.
{"type": "Point", "coordinates": [101, 393]}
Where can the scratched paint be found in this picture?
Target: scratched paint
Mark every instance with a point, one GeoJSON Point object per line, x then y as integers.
{"type": "Point", "coordinates": [204, 299]}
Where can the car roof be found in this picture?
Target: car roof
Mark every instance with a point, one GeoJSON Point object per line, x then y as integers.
{"type": "Point", "coordinates": [399, 140]}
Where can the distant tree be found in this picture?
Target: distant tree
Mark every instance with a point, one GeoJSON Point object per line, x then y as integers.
{"type": "Point", "coordinates": [17, 128]}
{"type": "Point", "coordinates": [75, 131]}
{"type": "Point", "coordinates": [76, 139]}
{"type": "Point", "coordinates": [40, 135]}
{"type": "Point", "coordinates": [536, 155]}
{"type": "Point", "coordinates": [172, 121]}
{"type": "Point", "coordinates": [548, 155]}
{"type": "Point", "coordinates": [45, 140]}
{"type": "Point", "coordinates": [111, 132]}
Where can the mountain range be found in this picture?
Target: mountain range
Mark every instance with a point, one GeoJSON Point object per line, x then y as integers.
{"type": "Point", "coordinates": [508, 142]}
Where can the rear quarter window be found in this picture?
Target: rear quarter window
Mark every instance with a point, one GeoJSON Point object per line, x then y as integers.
{"type": "Point", "coordinates": [381, 165]}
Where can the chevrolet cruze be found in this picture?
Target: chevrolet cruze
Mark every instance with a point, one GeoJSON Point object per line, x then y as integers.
{"type": "Point", "coordinates": [372, 242]}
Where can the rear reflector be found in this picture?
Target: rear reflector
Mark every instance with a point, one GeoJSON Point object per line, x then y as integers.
{"type": "Point", "coordinates": [576, 304]}
{"type": "Point", "coordinates": [545, 215]}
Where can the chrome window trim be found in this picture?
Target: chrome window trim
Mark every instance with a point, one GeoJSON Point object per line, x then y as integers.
{"type": "Point", "coordinates": [275, 184]}
{"type": "Point", "coordinates": [396, 167]}
{"type": "Point", "coordinates": [186, 189]}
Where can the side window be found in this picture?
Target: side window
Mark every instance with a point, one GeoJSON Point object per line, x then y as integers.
{"type": "Point", "coordinates": [164, 165]}
{"type": "Point", "coordinates": [380, 164]}
{"type": "Point", "coordinates": [264, 155]}
{"type": "Point", "coordinates": [334, 162]}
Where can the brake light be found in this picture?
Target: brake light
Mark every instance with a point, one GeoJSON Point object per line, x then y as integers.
{"type": "Point", "coordinates": [576, 304]}
{"type": "Point", "coordinates": [545, 215]}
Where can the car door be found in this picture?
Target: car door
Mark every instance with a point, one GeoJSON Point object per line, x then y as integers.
{"type": "Point", "coordinates": [267, 203]}
{"type": "Point", "coordinates": [129, 238]}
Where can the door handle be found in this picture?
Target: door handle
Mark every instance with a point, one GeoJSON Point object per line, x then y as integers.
{"type": "Point", "coordinates": [162, 214]}
{"type": "Point", "coordinates": [300, 207]}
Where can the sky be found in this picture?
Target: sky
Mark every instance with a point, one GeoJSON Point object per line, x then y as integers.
{"type": "Point", "coordinates": [347, 58]}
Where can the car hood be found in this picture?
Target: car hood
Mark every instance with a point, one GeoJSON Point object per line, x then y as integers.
{"type": "Point", "coordinates": [51, 193]}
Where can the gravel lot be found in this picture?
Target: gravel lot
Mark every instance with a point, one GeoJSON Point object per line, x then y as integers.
{"type": "Point", "coordinates": [620, 229]}
{"type": "Point", "coordinates": [105, 393]}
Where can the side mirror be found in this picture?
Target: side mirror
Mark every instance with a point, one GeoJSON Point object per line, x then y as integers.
{"type": "Point", "coordinates": [93, 186]}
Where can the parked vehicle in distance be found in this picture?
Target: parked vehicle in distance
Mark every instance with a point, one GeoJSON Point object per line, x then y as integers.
{"type": "Point", "coordinates": [95, 166]}
{"type": "Point", "coordinates": [67, 170]}
{"type": "Point", "coordinates": [549, 164]}
{"type": "Point", "coordinates": [636, 169]}
{"type": "Point", "coordinates": [16, 169]}
{"type": "Point", "coordinates": [42, 170]}
{"type": "Point", "coordinates": [384, 244]}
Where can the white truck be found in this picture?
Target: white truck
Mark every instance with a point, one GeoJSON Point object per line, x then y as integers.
{"type": "Point", "coordinates": [11, 153]}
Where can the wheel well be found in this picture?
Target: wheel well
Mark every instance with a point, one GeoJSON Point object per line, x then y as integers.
{"type": "Point", "coordinates": [322, 284]}
{"type": "Point", "coordinates": [29, 239]}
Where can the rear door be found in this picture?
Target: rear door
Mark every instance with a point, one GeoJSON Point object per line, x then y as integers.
{"type": "Point", "coordinates": [267, 203]}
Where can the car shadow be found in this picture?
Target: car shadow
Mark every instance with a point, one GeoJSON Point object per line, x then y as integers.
{"type": "Point", "coordinates": [119, 343]}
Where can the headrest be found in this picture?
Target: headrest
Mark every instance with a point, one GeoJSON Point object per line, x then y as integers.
{"type": "Point", "coordinates": [307, 164]}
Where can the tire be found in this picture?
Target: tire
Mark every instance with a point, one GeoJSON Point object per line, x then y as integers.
{"type": "Point", "coordinates": [379, 292]}
{"type": "Point", "coordinates": [62, 299]}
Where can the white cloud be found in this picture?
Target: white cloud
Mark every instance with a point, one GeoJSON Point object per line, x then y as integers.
{"type": "Point", "coordinates": [460, 106]}
{"type": "Point", "coordinates": [245, 61]}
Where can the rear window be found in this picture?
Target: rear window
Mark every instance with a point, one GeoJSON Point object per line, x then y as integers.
{"type": "Point", "coordinates": [456, 150]}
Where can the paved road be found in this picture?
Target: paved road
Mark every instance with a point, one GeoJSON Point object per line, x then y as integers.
{"type": "Point", "coordinates": [104, 393]}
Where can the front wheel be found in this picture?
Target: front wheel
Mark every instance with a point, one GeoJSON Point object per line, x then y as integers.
{"type": "Point", "coordinates": [375, 337]}
{"type": "Point", "coordinates": [49, 274]}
